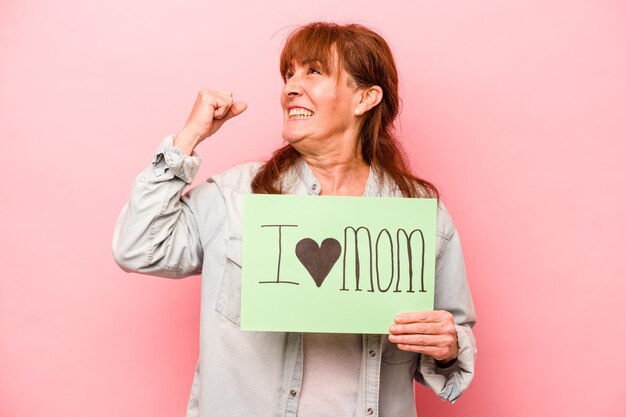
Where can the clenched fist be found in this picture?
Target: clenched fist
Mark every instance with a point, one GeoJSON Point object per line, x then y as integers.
{"type": "Point", "coordinates": [210, 111]}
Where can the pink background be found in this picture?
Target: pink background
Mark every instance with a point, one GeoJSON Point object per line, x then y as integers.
{"type": "Point", "coordinates": [515, 110]}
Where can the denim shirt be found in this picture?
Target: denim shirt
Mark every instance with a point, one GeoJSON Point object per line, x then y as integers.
{"type": "Point", "coordinates": [162, 232]}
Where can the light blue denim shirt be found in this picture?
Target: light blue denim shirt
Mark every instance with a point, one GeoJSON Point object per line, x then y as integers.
{"type": "Point", "coordinates": [162, 232]}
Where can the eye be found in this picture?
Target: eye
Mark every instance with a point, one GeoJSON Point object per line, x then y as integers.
{"type": "Point", "coordinates": [288, 75]}
{"type": "Point", "coordinates": [313, 70]}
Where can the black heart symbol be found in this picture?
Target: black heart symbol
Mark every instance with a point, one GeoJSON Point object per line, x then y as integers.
{"type": "Point", "coordinates": [318, 260]}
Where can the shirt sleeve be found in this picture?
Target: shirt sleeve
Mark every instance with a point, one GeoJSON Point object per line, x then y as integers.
{"type": "Point", "coordinates": [158, 231]}
{"type": "Point", "coordinates": [452, 294]}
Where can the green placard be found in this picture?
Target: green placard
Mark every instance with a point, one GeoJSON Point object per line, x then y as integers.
{"type": "Point", "coordinates": [335, 264]}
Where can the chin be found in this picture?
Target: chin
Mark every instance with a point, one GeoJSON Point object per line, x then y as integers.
{"type": "Point", "coordinates": [291, 138]}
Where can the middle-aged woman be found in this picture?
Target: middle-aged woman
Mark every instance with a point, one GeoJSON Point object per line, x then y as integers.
{"type": "Point", "coordinates": [339, 100]}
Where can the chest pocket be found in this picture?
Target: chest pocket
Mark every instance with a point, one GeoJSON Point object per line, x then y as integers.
{"type": "Point", "coordinates": [393, 355]}
{"type": "Point", "coordinates": [229, 297]}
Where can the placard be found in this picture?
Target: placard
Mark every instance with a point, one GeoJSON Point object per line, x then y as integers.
{"type": "Point", "coordinates": [335, 264]}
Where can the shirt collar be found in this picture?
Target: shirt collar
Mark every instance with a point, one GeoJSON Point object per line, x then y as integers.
{"type": "Point", "coordinates": [374, 186]}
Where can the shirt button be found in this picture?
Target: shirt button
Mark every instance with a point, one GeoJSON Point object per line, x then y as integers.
{"type": "Point", "coordinates": [372, 353]}
{"type": "Point", "coordinates": [293, 393]}
{"type": "Point", "coordinates": [314, 187]}
{"type": "Point", "coordinates": [370, 411]}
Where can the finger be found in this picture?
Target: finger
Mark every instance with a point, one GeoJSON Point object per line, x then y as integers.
{"type": "Point", "coordinates": [423, 340]}
{"type": "Point", "coordinates": [235, 110]}
{"type": "Point", "coordinates": [216, 102]}
{"type": "Point", "coordinates": [418, 328]}
{"type": "Point", "coordinates": [417, 317]}
{"type": "Point", "coordinates": [437, 353]}
{"type": "Point", "coordinates": [222, 106]}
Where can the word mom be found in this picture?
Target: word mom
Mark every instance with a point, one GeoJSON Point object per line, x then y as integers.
{"type": "Point", "coordinates": [382, 262]}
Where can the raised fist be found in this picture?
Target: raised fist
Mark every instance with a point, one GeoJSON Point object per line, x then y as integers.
{"type": "Point", "coordinates": [209, 112]}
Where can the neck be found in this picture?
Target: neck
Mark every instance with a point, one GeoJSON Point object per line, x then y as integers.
{"type": "Point", "coordinates": [339, 173]}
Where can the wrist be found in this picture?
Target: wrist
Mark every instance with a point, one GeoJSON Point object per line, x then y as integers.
{"type": "Point", "coordinates": [186, 140]}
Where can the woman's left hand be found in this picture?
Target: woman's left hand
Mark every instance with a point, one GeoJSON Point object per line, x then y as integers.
{"type": "Point", "coordinates": [429, 332]}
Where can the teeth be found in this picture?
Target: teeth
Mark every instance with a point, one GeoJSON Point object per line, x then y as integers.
{"type": "Point", "coordinates": [299, 113]}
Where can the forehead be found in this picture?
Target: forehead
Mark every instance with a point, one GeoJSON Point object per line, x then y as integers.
{"type": "Point", "coordinates": [304, 50]}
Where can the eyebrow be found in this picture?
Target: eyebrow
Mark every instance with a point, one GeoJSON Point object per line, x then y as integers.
{"type": "Point", "coordinates": [325, 65]}
{"type": "Point", "coordinates": [306, 62]}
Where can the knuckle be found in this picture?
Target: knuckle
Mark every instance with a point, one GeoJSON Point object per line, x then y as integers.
{"type": "Point", "coordinates": [432, 352]}
{"type": "Point", "coordinates": [439, 328]}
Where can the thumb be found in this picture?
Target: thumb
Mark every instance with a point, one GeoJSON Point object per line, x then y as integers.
{"type": "Point", "coordinates": [235, 109]}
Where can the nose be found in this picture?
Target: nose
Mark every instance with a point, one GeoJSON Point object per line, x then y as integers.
{"type": "Point", "coordinates": [292, 87]}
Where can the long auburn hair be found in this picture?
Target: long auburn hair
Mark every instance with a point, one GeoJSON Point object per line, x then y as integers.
{"type": "Point", "coordinates": [368, 60]}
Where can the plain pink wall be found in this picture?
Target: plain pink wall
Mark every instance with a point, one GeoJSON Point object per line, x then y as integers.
{"type": "Point", "coordinates": [516, 110]}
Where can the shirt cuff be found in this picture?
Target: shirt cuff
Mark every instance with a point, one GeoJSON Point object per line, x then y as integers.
{"type": "Point", "coordinates": [450, 382]}
{"type": "Point", "coordinates": [183, 166]}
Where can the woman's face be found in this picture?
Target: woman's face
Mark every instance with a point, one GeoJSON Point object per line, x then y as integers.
{"type": "Point", "coordinates": [318, 108]}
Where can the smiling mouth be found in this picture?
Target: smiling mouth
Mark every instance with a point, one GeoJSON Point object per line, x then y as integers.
{"type": "Point", "coordinates": [299, 113]}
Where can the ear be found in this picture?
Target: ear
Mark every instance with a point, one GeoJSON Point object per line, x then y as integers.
{"type": "Point", "coordinates": [369, 98]}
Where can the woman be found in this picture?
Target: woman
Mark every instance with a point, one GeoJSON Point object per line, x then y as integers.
{"type": "Point", "coordinates": [339, 102]}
